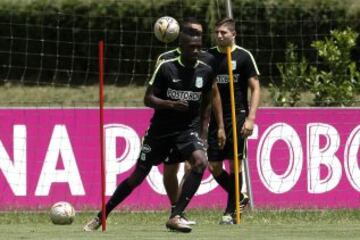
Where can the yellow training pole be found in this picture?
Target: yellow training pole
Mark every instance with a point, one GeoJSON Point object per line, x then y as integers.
{"type": "Point", "coordinates": [235, 145]}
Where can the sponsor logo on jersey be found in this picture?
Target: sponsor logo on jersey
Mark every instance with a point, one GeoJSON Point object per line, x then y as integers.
{"type": "Point", "coordinates": [199, 82]}
{"type": "Point", "coordinates": [143, 156]}
{"type": "Point", "coordinates": [146, 148]}
{"type": "Point", "coordinates": [194, 134]}
{"type": "Point", "coordinates": [233, 63]}
{"type": "Point", "coordinates": [175, 80]}
{"type": "Point", "coordinates": [183, 95]}
{"type": "Point", "coordinates": [167, 159]}
{"type": "Point", "coordinates": [224, 78]}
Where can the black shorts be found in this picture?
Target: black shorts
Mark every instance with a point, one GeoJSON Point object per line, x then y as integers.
{"type": "Point", "coordinates": [216, 154]}
{"type": "Point", "coordinates": [169, 149]}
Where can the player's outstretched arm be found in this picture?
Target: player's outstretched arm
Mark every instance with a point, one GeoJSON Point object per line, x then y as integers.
{"type": "Point", "coordinates": [151, 100]}
{"type": "Point", "coordinates": [248, 126]}
{"type": "Point", "coordinates": [205, 109]}
{"type": "Point", "coordinates": [218, 113]}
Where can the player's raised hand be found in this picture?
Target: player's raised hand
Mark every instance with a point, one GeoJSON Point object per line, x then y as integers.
{"type": "Point", "coordinates": [221, 137]}
{"type": "Point", "coordinates": [247, 128]}
{"type": "Point", "coordinates": [180, 105]}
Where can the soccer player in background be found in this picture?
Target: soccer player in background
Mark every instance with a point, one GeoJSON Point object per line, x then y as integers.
{"type": "Point", "coordinates": [246, 76]}
{"type": "Point", "coordinates": [180, 91]}
{"type": "Point", "coordinates": [171, 167]}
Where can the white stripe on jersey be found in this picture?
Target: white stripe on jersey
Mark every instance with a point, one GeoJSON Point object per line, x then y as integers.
{"type": "Point", "coordinates": [152, 79]}
{"type": "Point", "coordinates": [252, 58]}
{"type": "Point", "coordinates": [159, 59]}
{"type": "Point", "coordinates": [201, 62]}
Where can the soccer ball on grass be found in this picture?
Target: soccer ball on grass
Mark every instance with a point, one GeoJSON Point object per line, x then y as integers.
{"type": "Point", "coordinates": [166, 29]}
{"type": "Point", "coordinates": [62, 213]}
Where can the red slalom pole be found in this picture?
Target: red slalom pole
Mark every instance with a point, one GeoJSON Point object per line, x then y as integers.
{"type": "Point", "coordinates": [102, 157]}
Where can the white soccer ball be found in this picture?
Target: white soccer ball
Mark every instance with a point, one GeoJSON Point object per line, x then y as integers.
{"type": "Point", "coordinates": [166, 29]}
{"type": "Point", "coordinates": [62, 213]}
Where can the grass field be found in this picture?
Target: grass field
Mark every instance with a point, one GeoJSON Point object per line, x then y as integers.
{"type": "Point", "coordinates": [280, 225]}
{"type": "Point", "coordinates": [87, 96]}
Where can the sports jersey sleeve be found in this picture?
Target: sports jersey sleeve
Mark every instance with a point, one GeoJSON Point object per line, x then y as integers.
{"type": "Point", "coordinates": [162, 57]}
{"type": "Point", "coordinates": [166, 56]}
{"type": "Point", "coordinates": [212, 78]}
{"type": "Point", "coordinates": [157, 77]}
{"type": "Point", "coordinates": [250, 67]}
{"type": "Point", "coordinates": [158, 61]}
{"type": "Point", "coordinates": [210, 60]}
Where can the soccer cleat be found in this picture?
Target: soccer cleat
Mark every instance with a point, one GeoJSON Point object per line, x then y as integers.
{"type": "Point", "coordinates": [175, 224]}
{"type": "Point", "coordinates": [227, 219]}
{"type": "Point", "coordinates": [244, 201]}
{"type": "Point", "coordinates": [185, 220]}
{"type": "Point", "coordinates": [93, 225]}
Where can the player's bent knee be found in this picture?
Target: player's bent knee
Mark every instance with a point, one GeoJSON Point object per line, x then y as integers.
{"type": "Point", "coordinates": [198, 169]}
{"type": "Point", "coordinates": [215, 168]}
{"type": "Point", "coordinates": [232, 166]}
{"type": "Point", "coordinates": [199, 161]}
{"type": "Point", "coordinates": [187, 167]}
{"type": "Point", "coordinates": [200, 165]}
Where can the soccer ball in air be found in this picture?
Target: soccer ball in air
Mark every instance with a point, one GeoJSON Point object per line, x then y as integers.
{"type": "Point", "coordinates": [62, 213]}
{"type": "Point", "coordinates": [166, 29]}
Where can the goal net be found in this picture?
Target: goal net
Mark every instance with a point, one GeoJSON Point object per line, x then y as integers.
{"type": "Point", "coordinates": [49, 140]}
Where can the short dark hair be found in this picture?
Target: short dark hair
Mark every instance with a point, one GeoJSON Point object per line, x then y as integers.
{"type": "Point", "coordinates": [191, 32]}
{"type": "Point", "coordinates": [190, 20]}
{"type": "Point", "coordinates": [188, 23]}
{"type": "Point", "coordinates": [228, 22]}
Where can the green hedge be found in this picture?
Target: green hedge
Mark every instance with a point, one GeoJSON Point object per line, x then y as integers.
{"type": "Point", "coordinates": [55, 42]}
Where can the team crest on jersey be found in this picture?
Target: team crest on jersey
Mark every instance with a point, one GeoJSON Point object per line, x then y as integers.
{"type": "Point", "coordinates": [146, 148]}
{"type": "Point", "coordinates": [233, 65]}
{"type": "Point", "coordinates": [199, 82]}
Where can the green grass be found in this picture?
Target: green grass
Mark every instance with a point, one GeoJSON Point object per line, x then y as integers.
{"type": "Point", "coordinates": [87, 96]}
{"type": "Point", "coordinates": [280, 225]}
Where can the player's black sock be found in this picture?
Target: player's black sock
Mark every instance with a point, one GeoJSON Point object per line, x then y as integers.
{"type": "Point", "coordinates": [124, 189]}
{"type": "Point", "coordinates": [121, 192]}
{"type": "Point", "coordinates": [172, 208]}
{"type": "Point", "coordinates": [230, 205]}
{"type": "Point", "coordinates": [223, 180]}
{"type": "Point", "coordinates": [191, 184]}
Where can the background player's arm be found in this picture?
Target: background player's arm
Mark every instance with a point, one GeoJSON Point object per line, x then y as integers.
{"type": "Point", "coordinates": [218, 113]}
{"type": "Point", "coordinates": [151, 100]}
{"type": "Point", "coordinates": [205, 110]}
{"type": "Point", "coordinates": [254, 86]}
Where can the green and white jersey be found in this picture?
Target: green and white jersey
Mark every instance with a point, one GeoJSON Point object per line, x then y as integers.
{"type": "Point", "coordinates": [244, 67]}
{"type": "Point", "coordinates": [179, 82]}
